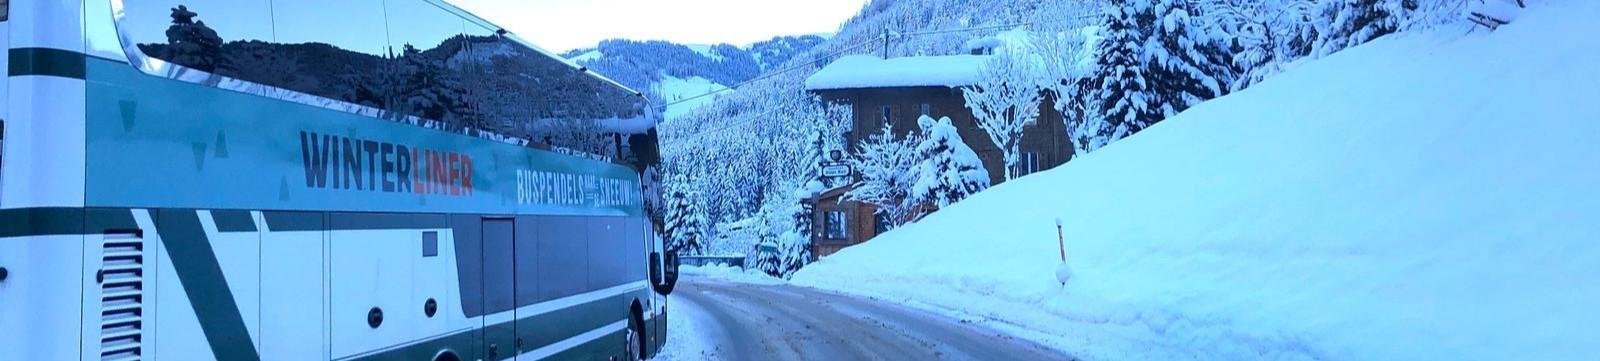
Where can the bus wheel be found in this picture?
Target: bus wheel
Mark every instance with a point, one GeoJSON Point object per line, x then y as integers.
{"type": "Point", "coordinates": [635, 337]}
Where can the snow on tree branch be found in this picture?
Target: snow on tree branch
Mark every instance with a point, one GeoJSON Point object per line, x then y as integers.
{"type": "Point", "coordinates": [1007, 98]}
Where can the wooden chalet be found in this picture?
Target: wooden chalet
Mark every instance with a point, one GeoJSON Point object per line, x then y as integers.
{"type": "Point", "coordinates": [896, 92]}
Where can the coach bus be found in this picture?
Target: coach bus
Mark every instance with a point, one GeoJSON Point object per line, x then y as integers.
{"type": "Point", "coordinates": [314, 179]}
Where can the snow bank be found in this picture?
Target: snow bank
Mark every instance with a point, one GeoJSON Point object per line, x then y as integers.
{"type": "Point", "coordinates": [863, 71]}
{"type": "Point", "coordinates": [1425, 196]}
{"type": "Point", "coordinates": [730, 273]}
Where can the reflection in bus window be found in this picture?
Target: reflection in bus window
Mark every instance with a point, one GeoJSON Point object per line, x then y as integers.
{"type": "Point", "coordinates": [221, 37]}
{"type": "Point", "coordinates": [409, 60]}
{"type": "Point", "coordinates": [338, 47]}
{"type": "Point", "coordinates": [348, 25]}
{"type": "Point", "coordinates": [424, 39]}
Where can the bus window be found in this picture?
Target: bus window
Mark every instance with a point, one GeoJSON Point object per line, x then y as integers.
{"type": "Point", "coordinates": [337, 49]}
{"type": "Point", "coordinates": [350, 26]}
{"type": "Point", "coordinates": [423, 38]}
{"type": "Point", "coordinates": [216, 36]}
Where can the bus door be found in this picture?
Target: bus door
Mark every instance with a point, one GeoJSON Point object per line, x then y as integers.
{"type": "Point", "coordinates": [527, 279]}
{"type": "Point", "coordinates": [499, 288]}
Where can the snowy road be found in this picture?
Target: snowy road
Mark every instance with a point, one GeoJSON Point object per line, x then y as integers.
{"type": "Point", "coordinates": [723, 320]}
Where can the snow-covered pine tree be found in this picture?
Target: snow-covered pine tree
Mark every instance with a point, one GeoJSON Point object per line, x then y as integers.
{"type": "Point", "coordinates": [1124, 82]}
{"type": "Point", "coordinates": [949, 171]}
{"type": "Point", "coordinates": [1262, 35]}
{"type": "Point", "coordinates": [796, 241]}
{"type": "Point", "coordinates": [1006, 100]}
{"type": "Point", "coordinates": [885, 164]}
{"type": "Point", "coordinates": [677, 207]}
{"type": "Point", "coordinates": [1186, 65]}
{"type": "Point", "coordinates": [685, 221]}
{"type": "Point", "coordinates": [1342, 24]}
{"type": "Point", "coordinates": [770, 227]}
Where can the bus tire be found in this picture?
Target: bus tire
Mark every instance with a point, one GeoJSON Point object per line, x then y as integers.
{"type": "Point", "coordinates": [446, 355]}
{"type": "Point", "coordinates": [635, 335]}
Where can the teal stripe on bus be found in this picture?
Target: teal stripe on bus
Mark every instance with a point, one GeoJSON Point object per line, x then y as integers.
{"type": "Point", "coordinates": [47, 62]}
{"type": "Point", "coordinates": [234, 221]}
{"type": "Point", "coordinates": [201, 275]}
{"type": "Point", "coordinates": [55, 221]}
{"type": "Point", "coordinates": [26, 222]}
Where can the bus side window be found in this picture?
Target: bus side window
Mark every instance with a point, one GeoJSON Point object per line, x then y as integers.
{"type": "Point", "coordinates": [422, 38]}
{"type": "Point", "coordinates": [331, 49]}
{"type": "Point", "coordinates": [223, 37]}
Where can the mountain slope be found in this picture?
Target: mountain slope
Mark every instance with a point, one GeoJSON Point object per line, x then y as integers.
{"type": "Point", "coordinates": [668, 72]}
{"type": "Point", "coordinates": [1423, 196]}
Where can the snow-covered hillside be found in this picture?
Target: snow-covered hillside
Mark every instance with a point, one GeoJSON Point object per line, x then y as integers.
{"type": "Point", "coordinates": [684, 94]}
{"type": "Point", "coordinates": [1426, 196]}
{"type": "Point", "coordinates": [667, 72]}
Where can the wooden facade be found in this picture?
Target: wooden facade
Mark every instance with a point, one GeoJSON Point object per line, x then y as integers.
{"type": "Point", "coordinates": [900, 108]}
{"type": "Point", "coordinates": [859, 223]}
{"type": "Point", "coordinates": [1044, 146]}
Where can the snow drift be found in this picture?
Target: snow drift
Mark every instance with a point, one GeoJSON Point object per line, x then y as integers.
{"type": "Point", "coordinates": [1424, 196]}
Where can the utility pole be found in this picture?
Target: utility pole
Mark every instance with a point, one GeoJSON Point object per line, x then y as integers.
{"type": "Point", "coordinates": [886, 43]}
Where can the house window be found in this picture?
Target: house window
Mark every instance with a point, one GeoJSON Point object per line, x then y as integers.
{"type": "Point", "coordinates": [1027, 163]}
{"type": "Point", "coordinates": [888, 115]}
{"type": "Point", "coordinates": [880, 223]}
{"type": "Point", "coordinates": [927, 109]}
{"type": "Point", "coordinates": [834, 225]}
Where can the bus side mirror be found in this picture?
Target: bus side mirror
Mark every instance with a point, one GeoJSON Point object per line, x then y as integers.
{"type": "Point", "coordinates": [663, 280]}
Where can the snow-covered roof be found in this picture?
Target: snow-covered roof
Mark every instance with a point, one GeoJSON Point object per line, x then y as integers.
{"type": "Point", "coordinates": [987, 42]}
{"type": "Point", "coordinates": [863, 71]}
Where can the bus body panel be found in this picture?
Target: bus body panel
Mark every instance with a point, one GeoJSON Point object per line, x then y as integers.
{"type": "Point", "coordinates": [132, 222]}
{"type": "Point", "coordinates": [293, 266]}
{"type": "Point", "coordinates": [43, 115]}
{"type": "Point", "coordinates": [39, 319]}
{"type": "Point", "coordinates": [55, 24]}
{"type": "Point", "coordinates": [44, 143]}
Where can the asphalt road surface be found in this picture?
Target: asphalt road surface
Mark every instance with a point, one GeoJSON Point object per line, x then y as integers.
{"type": "Point", "coordinates": [741, 321]}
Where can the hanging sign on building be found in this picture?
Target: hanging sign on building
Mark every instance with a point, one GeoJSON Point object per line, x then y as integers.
{"type": "Point", "coordinates": [835, 166]}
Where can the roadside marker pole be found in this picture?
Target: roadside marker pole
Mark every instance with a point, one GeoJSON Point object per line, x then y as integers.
{"type": "Point", "coordinates": [1063, 272]}
{"type": "Point", "coordinates": [1061, 240]}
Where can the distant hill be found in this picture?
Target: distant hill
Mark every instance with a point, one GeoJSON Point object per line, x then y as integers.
{"type": "Point", "coordinates": [668, 72]}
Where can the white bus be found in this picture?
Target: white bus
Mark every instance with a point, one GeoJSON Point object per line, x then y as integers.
{"type": "Point", "coordinates": [315, 179]}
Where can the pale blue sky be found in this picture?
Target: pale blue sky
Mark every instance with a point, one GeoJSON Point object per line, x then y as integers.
{"type": "Point", "coordinates": [561, 25]}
